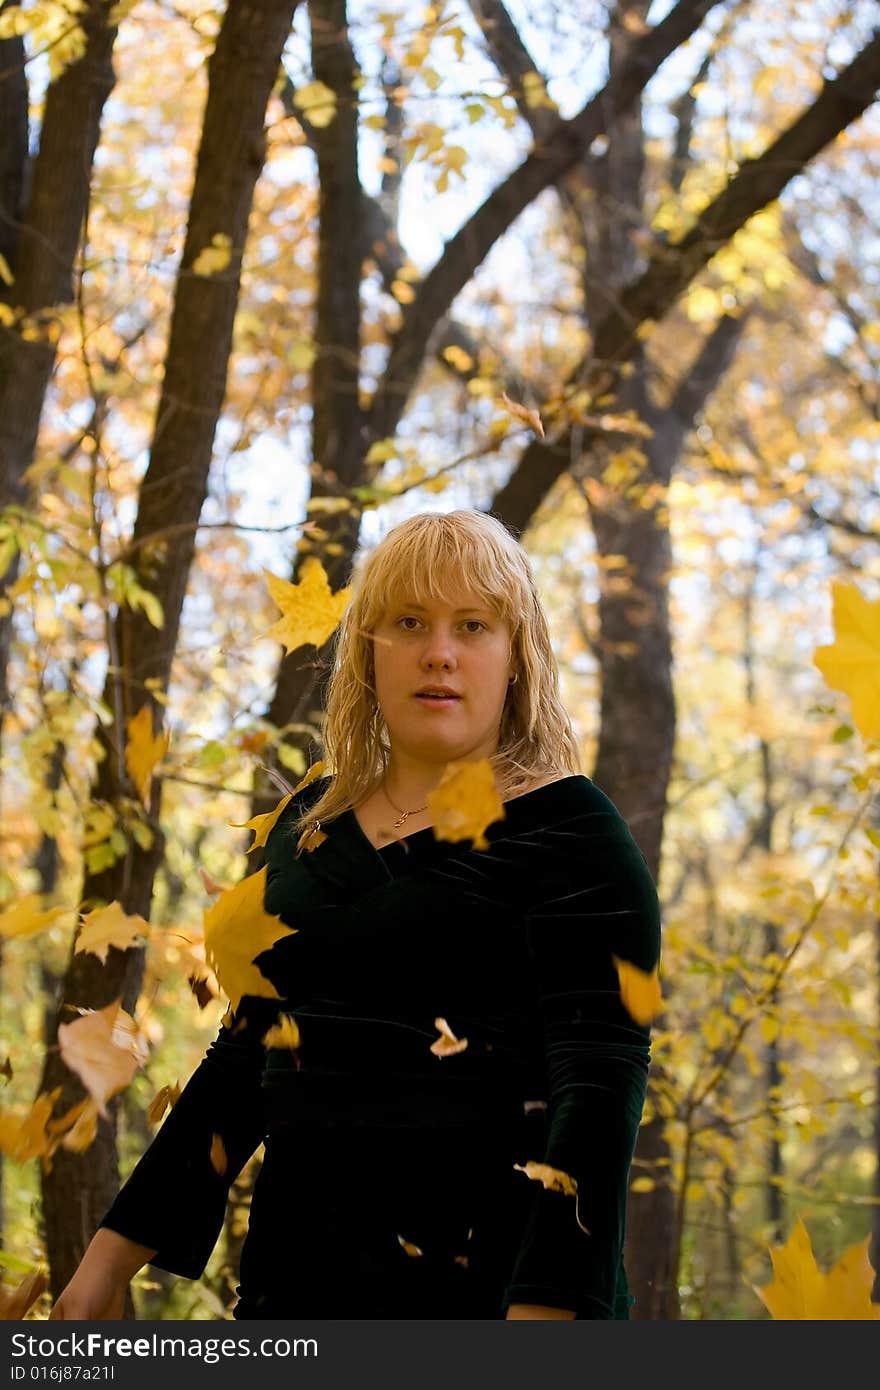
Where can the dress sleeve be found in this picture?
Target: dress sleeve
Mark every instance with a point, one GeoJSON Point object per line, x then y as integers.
{"type": "Point", "coordinates": [175, 1199]}
{"type": "Point", "coordinates": [598, 900]}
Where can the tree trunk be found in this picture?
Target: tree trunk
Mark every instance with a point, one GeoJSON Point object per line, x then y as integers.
{"type": "Point", "coordinates": [44, 245]}
{"type": "Point", "coordinates": [242, 72]}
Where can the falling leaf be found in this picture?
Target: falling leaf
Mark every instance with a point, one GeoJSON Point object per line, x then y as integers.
{"type": "Point", "coordinates": [211, 885]}
{"type": "Point", "coordinates": [76, 1129]}
{"type": "Point", "coordinates": [106, 927]}
{"type": "Point", "coordinates": [466, 801]}
{"type": "Point", "coordinates": [285, 1033]}
{"type": "Point", "coordinates": [310, 612]}
{"type": "Point", "coordinates": [6, 274]}
{"type": "Point", "coordinates": [408, 1246]}
{"type": "Point", "coordinates": [553, 1178]}
{"type": "Point", "coordinates": [26, 1137]}
{"type": "Point", "coordinates": [639, 991]}
{"type": "Point", "coordinates": [852, 662]}
{"type": "Point", "coordinates": [102, 1049]}
{"type": "Point", "coordinates": [143, 749]}
{"type": "Point", "coordinates": [311, 839]}
{"type": "Point", "coordinates": [26, 917]}
{"type": "Point", "coordinates": [522, 412]}
{"type": "Point", "coordinates": [202, 990]}
{"type": "Point", "coordinates": [448, 1044]}
{"type": "Point", "coordinates": [264, 824]}
{"type": "Point", "coordinates": [237, 930]}
{"type": "Point", "coordinates": [218, 1155]}
{"type": "Point", "coordinates": [165, 1099]}
{"type": "Point", "coordinates": [214, 258]}
{"type": "Point", "coordinates": [799, 1289]}
{"type": "Point", "coordinates": [14, 1303]}
{"type": "Point", "coordinates": [317, 102]}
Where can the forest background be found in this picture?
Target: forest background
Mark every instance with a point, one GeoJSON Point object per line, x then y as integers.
{"type": "Point", "coordinates": [275, 276]}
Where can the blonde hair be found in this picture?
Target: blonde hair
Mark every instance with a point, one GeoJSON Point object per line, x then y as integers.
{"type": "Point", "coordinates": [430, 556]}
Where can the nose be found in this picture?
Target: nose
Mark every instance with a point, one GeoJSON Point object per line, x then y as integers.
{"type": "Point", "coordinates": [438, 649]}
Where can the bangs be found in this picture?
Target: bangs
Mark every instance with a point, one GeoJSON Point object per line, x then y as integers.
{"type": "Point", "coordinates": [444, 568]}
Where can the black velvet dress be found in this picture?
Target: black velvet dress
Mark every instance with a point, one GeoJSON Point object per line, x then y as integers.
{"type": "Point", "coordinates": [391, 1184]}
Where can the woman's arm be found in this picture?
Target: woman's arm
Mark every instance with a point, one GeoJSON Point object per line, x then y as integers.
{"type": "Point", "coordinates": [598, 900]}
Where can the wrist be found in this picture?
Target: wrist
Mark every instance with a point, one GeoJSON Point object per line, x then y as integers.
{"type": "Point", "coordinates": [119, 1257]}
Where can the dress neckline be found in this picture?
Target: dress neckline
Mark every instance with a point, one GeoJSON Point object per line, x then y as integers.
{"type": "Point", "coordinates": [403, 840]}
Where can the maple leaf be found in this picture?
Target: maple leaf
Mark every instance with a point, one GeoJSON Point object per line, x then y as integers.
{"type": "Point", "coordinates": [25, 1137]}
{"type": "Point", "coordinates": [285, 1033]}
{"type": "Point", "coordinates": [237, 930]}
{"type": "Point", "coordinates": [447, 1044]}
{"type": "Point", "coordinates": [109, 926]}
{"type": "Point", "coordinates": [14, 1303]}
{"type": "Point", "coordinates": [639, 990]}
{"type": "Point", "coordinates": [522, 412]}
{"type": "Point", "coordinates": [851, 662]}
{"type": "Point", "coordinates": [552, 1178]}
{"type": "Point", "coordinates": [143, 749]}
{"type": "Point", "coordinates": [310, 612]}
{"type": "Point", "coordinates": [264, 824]}
{"type": "Point", "coordinates": [799, 1289]}
{"type": "Point", "coordinates": [165, 1099]}
{"type": "Point", "coordinates": [76, 1128]}
{"type": "Point", "coordinates": [102, 1048]}
{"type": "Point", "coordinates": [26, 917]}
{"type": "Point", "coordinates": [466, 801]}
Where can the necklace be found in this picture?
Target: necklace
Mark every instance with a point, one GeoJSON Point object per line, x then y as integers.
{"type": "Point", "coordinates": [403, 814]}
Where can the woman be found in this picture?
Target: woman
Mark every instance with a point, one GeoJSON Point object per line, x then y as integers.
{"type": "Point", "coordinates": [458, 1009]}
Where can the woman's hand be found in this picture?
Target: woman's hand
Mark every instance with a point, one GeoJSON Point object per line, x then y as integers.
{"type": "Point", "coordinates": [523, 1312]}
{"type": "Point", "coordinates": [97, 1290]}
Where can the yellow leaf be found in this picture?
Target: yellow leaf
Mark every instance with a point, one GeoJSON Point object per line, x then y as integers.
{"type": "Point", "coordinates": [14, 1303]}
{"type": "Point", "coordinates": [552, 1178]}
{"type": "Point", "coordinates": [769, 1028]}
{"type": "Point", "coordinates": [6, 274]}
{"type": "Point", "coordinates": [800, 1291]}
{"type": "Point", "coordinates": [852, 662]}
{"type": "Point", "coordinates": [102, 1048]}
{"type": "Point", "coordinates": [26, 1137]}
{"type": "Point", "coordinates": [318, 102]}
{"type": "Point", "coordinates": [301, 356]}
{"type": "Point", "coordinates": [237, 930]}
{"type": "Point", "coordinates": [109, 926]}
{"type": "Point", "coordinates": [408, 1246]}
{"type": "Point", "coordinates": [25, 918]}
{"type": "Point", "coordinates": [214, 258]}
{"type": "Point", "coordinates": [535, 92]}
{"type": "Point", "coordinates": [218, 1155]}
{"type": "Point", "coordinates": [458, 358]}
{"type": "Point", "coordinates": [264, 824]}
{"type": "Point", "coordinates": [639, 991]}
{"type": "Point", "coordinates": [466, 801]}
{"type": "Point", "coordinates": [310, 612]}
{"type": "Point", "coordinates": [164, 1099]}
{"type": "Point", "coordinates": [642, 1185]}
{"type": "Point", "coordinates": [77, 1128]}
{"type": "Point", "coordinates": [403, 293]}
{"type": "Point", "coordinates": [381, 451]}
{"type": "Point", "coordinates": [284, 1034]}
{"type": "Point", "coordinates": [143, 749]}
{"type": "Point", "coordinates": [522, 412]}
{"type": "Point", "coordinates": [447, 1044]}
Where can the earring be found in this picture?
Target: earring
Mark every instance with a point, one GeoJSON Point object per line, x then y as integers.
{"type": "Point", "coordinates": [514, 678]}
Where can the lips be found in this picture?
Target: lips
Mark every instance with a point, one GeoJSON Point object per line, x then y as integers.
{"type": "Point", "coordinates": [437, 695]}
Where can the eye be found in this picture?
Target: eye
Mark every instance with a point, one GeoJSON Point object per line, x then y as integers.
{"type": "Point", "coordinates": [407, 618]}
{"type": "Point", "coordinates": [469, 621]}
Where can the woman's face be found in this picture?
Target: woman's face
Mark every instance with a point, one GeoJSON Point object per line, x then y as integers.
{"type": "Point", "coordinates": [463, 645]}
